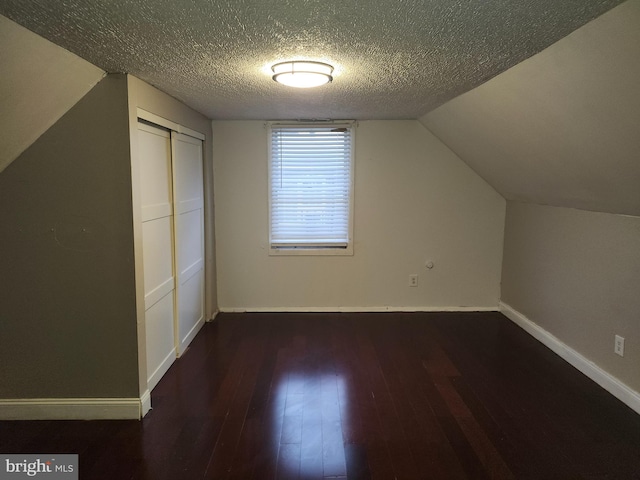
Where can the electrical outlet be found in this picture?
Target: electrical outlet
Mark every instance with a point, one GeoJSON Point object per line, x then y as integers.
{"type": "Point", "coordinates": [618, 346]}
{"type": "Point", "coordinates": [413, 280]}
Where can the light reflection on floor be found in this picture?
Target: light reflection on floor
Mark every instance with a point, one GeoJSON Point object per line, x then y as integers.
{"type": "Point", "coordinates": [307, 414]}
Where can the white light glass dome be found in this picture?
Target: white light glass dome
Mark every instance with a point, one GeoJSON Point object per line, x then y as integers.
{"type": "Point", "coordinates": [302, 74]}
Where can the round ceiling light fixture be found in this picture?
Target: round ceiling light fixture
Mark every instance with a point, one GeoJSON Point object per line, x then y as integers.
{"type": "Point", "coordinates": [302, 73]}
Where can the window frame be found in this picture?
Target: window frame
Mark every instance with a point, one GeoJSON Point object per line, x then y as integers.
{"type": "Point", "coordinates": [312, 250]}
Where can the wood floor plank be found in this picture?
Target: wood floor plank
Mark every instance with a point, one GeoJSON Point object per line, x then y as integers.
{"type": "Point", "coordinates": [493, 462]}
{"type": "Point", "coordinates": [513, 446]}
{"type": "Point", "coordinates": [228, 440]}
{"type": "Point", "coordinates": [395, 411]}
{"type": "Point", "coordinates": [380, 459]}
{"type": "Point", "coordinates": [429, 444]}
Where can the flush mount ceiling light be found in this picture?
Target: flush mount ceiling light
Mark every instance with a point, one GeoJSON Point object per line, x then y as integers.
{"type": "Point", "coordinates": [302, 73]}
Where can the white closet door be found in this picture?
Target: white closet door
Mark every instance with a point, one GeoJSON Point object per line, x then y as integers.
{"type": "Point", "coordinates": [189, 234]}
{"type": "Point", "coordinates": [154, 146]}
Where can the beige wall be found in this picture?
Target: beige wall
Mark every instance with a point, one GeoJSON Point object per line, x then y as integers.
{"type": "Point", "coordinates": [576, 274]}
{"type": "Point", "coordinates": [39, 83]}
{"type": "Point", "coordinates": [414, 201]}
{"type": "Point", "coordinates": [67, 304]}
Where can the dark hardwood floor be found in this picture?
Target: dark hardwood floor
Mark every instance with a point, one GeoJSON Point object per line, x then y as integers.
{"type": "Point", "coordinates": [357, 396]}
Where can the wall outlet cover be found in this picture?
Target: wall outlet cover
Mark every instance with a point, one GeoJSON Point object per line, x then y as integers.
{"type": "Point", "coordinates": [618, 346]}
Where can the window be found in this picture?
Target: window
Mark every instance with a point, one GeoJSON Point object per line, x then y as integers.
{"type": "Point", "coordinates": [311, 189]}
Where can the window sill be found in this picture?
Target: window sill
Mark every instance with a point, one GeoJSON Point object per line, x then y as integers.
{"type": "Point", "coordinates": [310, 251]}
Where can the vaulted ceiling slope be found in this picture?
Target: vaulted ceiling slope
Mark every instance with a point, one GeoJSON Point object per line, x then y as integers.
{"type": "Point", "coordinates": [39, 82]}
{"type": "Point", "coordinates": [394, 58]}
{"type": "Point", "coordinates": [563, 127]}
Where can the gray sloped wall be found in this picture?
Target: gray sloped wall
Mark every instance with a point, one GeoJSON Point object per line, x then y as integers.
{"type": "Point", "coordinates": [67, 305]}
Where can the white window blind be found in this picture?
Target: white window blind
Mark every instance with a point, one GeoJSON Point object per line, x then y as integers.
{"type": "Point", "coordinates": [310, 186]}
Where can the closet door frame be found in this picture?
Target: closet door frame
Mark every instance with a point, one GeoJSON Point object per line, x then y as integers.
{"type": "Point", "coordinates": [145, 393]}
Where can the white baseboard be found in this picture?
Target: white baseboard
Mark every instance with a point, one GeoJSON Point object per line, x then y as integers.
{"type": "Point", "coordinates": [190, 336]}
{"type": "Point", "coordinates": [610, 383]}
{"type": "Point", "coordinates": [213, 316]}
{"type": "Point", "coordinates": [353, 309]}
{"type": "Point", "coordinates": [70, 409]}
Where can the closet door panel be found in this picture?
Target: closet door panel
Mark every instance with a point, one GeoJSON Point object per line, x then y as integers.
{"type": "Point", "coordinates": [191, 311]}
{"type": "Point", "coordinates": [189, 234]}
{"type": "Point", "coordinates": [189, 226]}
{"type": "Point", "coordinates": [158, 266]}
{"type": "Point", "coordinates": [155, 167]}
{"type": "Point", "coordinates": [154, 148]}
{"type": "Point", "coordinates": [188, 180]}
{"type": "Point", "coordinates": [161, 351]}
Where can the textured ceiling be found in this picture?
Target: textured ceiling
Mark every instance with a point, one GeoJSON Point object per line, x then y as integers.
{"type": "Point", "coordinates": [393, 58]}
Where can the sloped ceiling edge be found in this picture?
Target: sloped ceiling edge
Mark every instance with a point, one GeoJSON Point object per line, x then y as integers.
{"type": "Point", "coordinates": [41, 81]}
{"type": "Point", "coordinates": [563, 127]}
